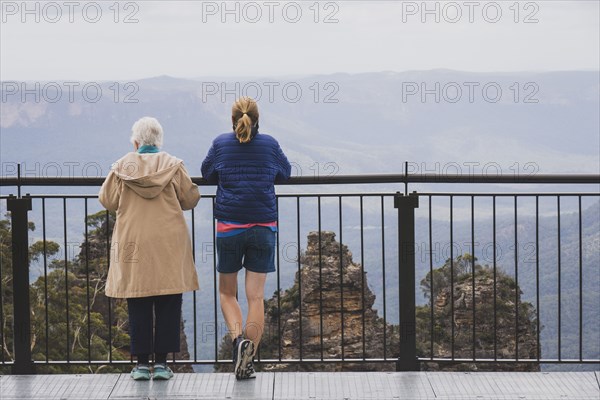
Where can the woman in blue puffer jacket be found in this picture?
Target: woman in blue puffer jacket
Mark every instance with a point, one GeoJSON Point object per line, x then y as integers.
{"type": "Point", "coordinates": [245, 165]}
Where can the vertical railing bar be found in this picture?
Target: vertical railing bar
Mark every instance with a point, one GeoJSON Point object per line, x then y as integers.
{"type": "Point", "coordinates": [362, 275]}
{"type": "Point", "coordinates": [214, 235]}
{"type": "Point", "coordinates": [87, 280]}
{"type": "Point", "coordinates": [559, 277]}
{"type": "Point", "coordinates": [194, 292]}
{"type": "Point", "coordinates": [537, 274]}
{"type": "Point", "coordinates": [320, 278]}
{"type": "Point", "coordinates": [516, 282]}
{"type": "Point", "coordinates": [19, 180]}
{"type": "Point", "coordinates": [495, 277]}
{"type": "Point", "coordinates": [580, 283]}
{"type": "Point", "coordinates": [341, 274]}
{"type": "Point", "coordinates": [110, 320]}
{"type": "Point", "coordinates": [473, 270]}
{"type": "Point", "coordinates": [46, 317]}
{"type": "Point", "coordinates": [431, 316]}
{"type": "Point", "coordinates": [299, 271]}
{"type": "Point", "coordinates": [452, 272]}
{"type": "Point", "coordinates": [2, 313]}
{"type": "Point", "coordinates": [406, 205]}
{"type": "Point", "coordinates": [21, 299]}
{"type": "Point", "coordinates": [109, 299]}
{"type": "Point", "coordinates": [406, 178]}
{"type": "Point", "coordinates": [279, 338]}
{"type": "Point", "coordinates": [400, 256]}
{"type": "Point", "coordinates": [383, 273]}
{"type": "Point", "coordinates": [66, 275]}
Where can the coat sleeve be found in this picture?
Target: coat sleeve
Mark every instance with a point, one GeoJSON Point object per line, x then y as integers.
{"type": "Point", "coordinates": [187, 191]}
{"type": "Point", "coordinates": [284, 168]}
{"type": "Point", "coordinates": [110, 192]}
{"type": "Point", "coordinates": [208, 166]}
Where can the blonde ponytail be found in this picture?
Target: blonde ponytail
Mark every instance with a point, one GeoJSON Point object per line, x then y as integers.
{"type": "Point", "coordinates": [244, 115]}
{"type": "Point", "coordinates": [243, 128]}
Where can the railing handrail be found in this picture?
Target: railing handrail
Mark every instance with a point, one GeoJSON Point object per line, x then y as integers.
{"type": "Point", "coordinates": [342, 179]}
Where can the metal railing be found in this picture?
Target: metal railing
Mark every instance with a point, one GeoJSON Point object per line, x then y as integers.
{"type": "Point", "coordinates": [396, 226]}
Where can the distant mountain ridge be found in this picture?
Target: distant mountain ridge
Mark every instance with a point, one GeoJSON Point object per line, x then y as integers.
{"type": "Point", "coordinates": [550, 119]}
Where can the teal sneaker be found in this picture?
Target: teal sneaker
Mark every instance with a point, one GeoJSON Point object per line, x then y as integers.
{"type": "Point", "coordinates": [141, 373]}
{"type": "Point", "coordinates": [162, 372]}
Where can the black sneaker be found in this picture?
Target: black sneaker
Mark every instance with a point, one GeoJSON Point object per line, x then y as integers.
{"type": "Point", "coordinates": [235, 343]}
{"type": "Point", "coordinates": [242, 357]}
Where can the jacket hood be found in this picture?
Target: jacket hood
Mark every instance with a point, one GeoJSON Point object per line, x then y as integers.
{"type": "Point", "coordinates": [147, 174]}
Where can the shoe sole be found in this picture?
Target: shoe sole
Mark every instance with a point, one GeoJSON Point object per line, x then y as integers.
{"type": "Point", "coordinates": [140, 378]}
{"type": "Point", "coordinates": [161, 378]}
{"type": "Point", "coordinates": [245, 352]}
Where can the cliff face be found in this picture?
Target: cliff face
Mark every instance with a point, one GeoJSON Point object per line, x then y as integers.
{"type": "Point", "coordinates": [503, 332]}
{"type": "Point", "coordinates": [337, 294]}
{"type": "Point", "coordinates": [329, 281]}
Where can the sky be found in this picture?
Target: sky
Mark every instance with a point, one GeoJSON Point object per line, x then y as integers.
{"type": "Point", "coordinates": [108, 40]}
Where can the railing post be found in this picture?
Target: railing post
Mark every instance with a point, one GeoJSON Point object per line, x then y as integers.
{"type": "Point", "coordinates": [406, 275]}
{"type": "Point", "coordinates": [19, 208]}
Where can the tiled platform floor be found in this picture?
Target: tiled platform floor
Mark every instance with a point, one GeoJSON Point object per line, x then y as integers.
{"type": "Point", "coordinates": [317, 385]}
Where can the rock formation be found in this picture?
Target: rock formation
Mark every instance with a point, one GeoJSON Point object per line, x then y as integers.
{"type": "Point", "coordinates": [335, 299]}
{"type": "Point", "coordinates": [502, 331]}
{"type": "Point", "coordinates": [313, 324]}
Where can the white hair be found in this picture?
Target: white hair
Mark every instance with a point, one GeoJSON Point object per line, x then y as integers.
{"type": "Point", "coordinates": [147, 132]}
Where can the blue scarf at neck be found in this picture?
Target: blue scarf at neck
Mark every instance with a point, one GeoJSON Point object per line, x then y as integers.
{"type": "Point", "coordinates": [148, 149]}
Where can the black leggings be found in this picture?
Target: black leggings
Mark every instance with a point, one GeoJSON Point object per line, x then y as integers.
{"type": "Point", "coordinates": [164, 338]}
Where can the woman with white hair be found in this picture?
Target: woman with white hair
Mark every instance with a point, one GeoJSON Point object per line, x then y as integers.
{"type": "Point", "coordinates": [151, 254]}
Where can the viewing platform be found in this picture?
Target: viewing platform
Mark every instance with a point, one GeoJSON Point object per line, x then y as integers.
{"type": "Point", "coordinates": [310, 385]}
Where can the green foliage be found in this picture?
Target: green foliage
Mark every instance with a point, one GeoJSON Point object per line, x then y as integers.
{"type": "Point", "coordinates": [458, 269]}
{"type": "Point", "coordinates": [69, 311]}
{"type": "Point", "coordinates": [37, 249]}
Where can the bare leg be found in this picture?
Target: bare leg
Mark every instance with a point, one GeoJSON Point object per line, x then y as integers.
{"type": "Point", "coordinates": [229, 304]}
{"type": "Point", "coordinates": [255, 293]}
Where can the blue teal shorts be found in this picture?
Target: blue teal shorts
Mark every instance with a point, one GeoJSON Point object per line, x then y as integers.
{"type": "Point", "coordinates": [253, 249]}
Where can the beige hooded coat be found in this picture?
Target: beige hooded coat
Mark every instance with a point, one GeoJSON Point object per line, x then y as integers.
{"type": "Point", "coordinates": [151, 252]}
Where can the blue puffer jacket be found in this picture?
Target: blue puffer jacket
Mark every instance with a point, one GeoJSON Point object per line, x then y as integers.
{"type": "Point", "coordinates": [245, 174]}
